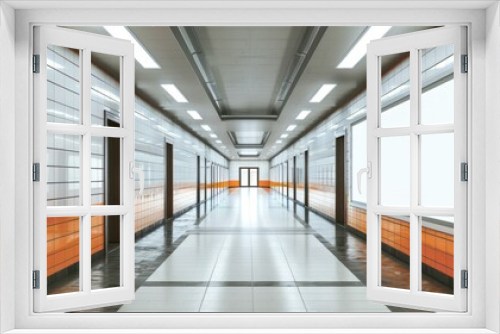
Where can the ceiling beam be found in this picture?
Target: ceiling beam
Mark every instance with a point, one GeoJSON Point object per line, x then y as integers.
{"type": "Point", "coordinates": [190, 44]}
{"type": "Point", "coordinates": [310, 40]}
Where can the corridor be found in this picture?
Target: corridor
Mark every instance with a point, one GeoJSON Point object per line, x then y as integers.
{"type": "Point", "coordinates": [247, 251]}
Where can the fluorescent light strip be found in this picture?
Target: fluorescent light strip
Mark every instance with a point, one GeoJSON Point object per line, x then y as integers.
{"type": "Point", "coordinates": [322, 93]}
{"type": "Point", "coordinates": [303, 114]}
{"type": "Point", "coordinates": [175, 93]}
{"type": "Point", "coordinates": [291, 127]}
{"type": "Point", "coordinates": [279, 141]}
{"type": "Point", "coordinates": [140, 53]}
{"type": "Point", "coordinates": [358, 51]}
{"type": "Point", "coordinates": [285, 135]}
{"type": "Point", "coordinates": [213, 135]}
{"type": "Point", "coordinates": [194, 114]}
{"type": "Point", "coordinates": [206, 127]}
{"type": "Point", "coordinates": [218, 141]}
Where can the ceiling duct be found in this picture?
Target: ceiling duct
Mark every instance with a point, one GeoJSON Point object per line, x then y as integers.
{"type": "Point", "coordinates": [307, 46]}
{"type": "Point", "coordinates": [188, 40]}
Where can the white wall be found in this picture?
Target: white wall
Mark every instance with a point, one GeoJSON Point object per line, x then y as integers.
{"type": "Point", "coordinates": [234, 167]}
{"type": "Point", "coordinates": [7, 164]}
{"type": "Point", "coordinates": [492, 187]}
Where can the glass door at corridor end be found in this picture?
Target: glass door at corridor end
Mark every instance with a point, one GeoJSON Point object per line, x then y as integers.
{"type": "Point", "coordinates": [249, 177]}
{"type": "Point", "coordinates": [416, 168]}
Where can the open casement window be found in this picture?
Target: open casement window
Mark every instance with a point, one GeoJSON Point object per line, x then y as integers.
{"type": "Point", "coordinates": [71, 142]}
{"type": "Point", "coordinates": [417, 198]}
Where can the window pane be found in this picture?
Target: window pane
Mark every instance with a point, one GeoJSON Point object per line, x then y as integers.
{"type": "Point", "coordinates": [437, 173]}
{"type": "Point", "coordinates": [359, 159]}
{"type": "Point", "coordinates": [63, 170]}
{"type": "Point", "coordinates": [301, 177]}
{"type": "Point", "coordinates": [254, 177]}
{"type": "Point", "coordinates": [105, 89]}
{"type": "Point", "coordinates": [185, 175]}
{"type": "Point", "coordinates": [106, 239]}
{"type": "Point", "coordinates": [395, 91]}
{"type": "Point", "coordinates": [437, 254]}
{"type": "Point", "coordinates": [106, 171]}
{"type": "Point", "coordinates": [244, 177]}
{"type": "Point", "coordinates": [63, 85]}
{"type": "Point", "coordinates": [395, 171]}
{"type": "Point", "coordinates": [437, 101]}
{"type": "Point", "coordinates": [395, 250]}
{"type": "Point", "coordinates": [63, 255]}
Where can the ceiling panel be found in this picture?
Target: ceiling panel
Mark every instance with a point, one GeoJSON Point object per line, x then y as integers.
{"type": "Point", "coordinates": [249, 64]}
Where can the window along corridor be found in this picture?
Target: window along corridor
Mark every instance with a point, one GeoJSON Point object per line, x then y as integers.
{"type": "Point", "coordinates": [247, 251]}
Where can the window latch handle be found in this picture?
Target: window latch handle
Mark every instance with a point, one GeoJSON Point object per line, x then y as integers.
{"type": "Point", "coordinates": [134, 170]}
{"type": "Point", "coordinates": [368, 171]}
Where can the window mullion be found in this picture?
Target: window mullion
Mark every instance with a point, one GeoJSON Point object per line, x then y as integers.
{"type": "Point", "coordinates": [414, 171]}
{"type": "Point", "coordinates": [86, 228]}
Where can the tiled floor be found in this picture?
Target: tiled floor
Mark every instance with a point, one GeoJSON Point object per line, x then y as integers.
{"type": "Point", "coordinates": [250, 252]}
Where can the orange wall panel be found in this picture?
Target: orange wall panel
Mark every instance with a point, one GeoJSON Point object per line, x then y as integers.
{"type": "Point", "coordinates": [437, 247]}
{"type": "Point", "coordinates": [262, 183]}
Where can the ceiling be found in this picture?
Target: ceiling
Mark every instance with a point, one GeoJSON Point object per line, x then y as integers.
{"type": "Point", "coordinates": [248, 66]}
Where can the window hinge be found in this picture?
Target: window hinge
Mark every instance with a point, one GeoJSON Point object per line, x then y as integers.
{"type": "Point", "coordinates": [465, 279]}
{"type": "Point", "coordinates": [36, 172]}
{"type": "Point", "coordinates": [464, 171]}
{"type": "Point", "coordinates": [36, 279]}
{"type": "Point", "coordinates": [36, 63]}
{"type": "Point", "coordinates": [465, 64]}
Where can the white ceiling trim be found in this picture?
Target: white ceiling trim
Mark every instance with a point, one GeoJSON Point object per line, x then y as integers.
{"type": "Point", "coordinates": [254, 4]}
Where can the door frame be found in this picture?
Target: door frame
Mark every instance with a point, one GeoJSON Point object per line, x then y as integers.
{"type": "Point", "coordinates": [249, 186]}
{"type": "Point", "coordinates": [480, 96]}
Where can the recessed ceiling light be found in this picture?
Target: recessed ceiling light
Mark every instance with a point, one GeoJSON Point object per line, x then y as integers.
{"type": "Point", "coordinates": [194, 114]}
{"type": "Point", "coordinates": [175, 93]}
{"type": "Point", "coordinates": [303, 114]}
{"type": "Point", "coordinates": [291, 127]}
{"type": "Point", "coordinates": [206, 127]}
{"type": "Point", "coordinates": [279, 141]}
{"type": "Point", "coordinates": [358, 51]}
{"type": "Point", "coordinates": [213, 135]}
{"type": "Point", "coordinates": [140, 53]}
{"type": "Point", "coordinates": [285, 135]}
{"type": "Point", "coordinates": [218, 141]}
{"type": "Point", "coordinates": [322, 93]}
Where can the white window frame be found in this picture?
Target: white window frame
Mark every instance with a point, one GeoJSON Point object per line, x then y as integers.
{"type": "Point", "coordinates": [415, 43]}
{"type": "Point", "coordinates": [484, 236]}
{"type": "Point", "coordinates": [86, 43]}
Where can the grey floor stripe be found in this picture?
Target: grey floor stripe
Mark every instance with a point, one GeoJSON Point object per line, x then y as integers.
{"type": "Point", "coordinates": [254, 284]}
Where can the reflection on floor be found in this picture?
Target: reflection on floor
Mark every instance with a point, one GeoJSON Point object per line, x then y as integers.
{"type": "Point", "coordinates": [251, 253]}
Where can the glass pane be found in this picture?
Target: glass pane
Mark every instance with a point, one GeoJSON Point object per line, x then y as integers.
{"type": "Point", "coordinates": [395, 252]}
{"type": "Point", "coordinates": [106, 237]}
{"type": "Point", "coordinates": [106, 170]}
{"type": "Point", "coordinates": [105, 89]}
{"type": "Point", "coordinates": [202, 179]}
{"type": "Point", "coordinates": [437, 101]}
{"type": "Point", "coordinates": [209, 179]}
{"type": "Point", "coordinates": [301, 178]}
{"type": "Point", "coordinates": [290, 178]}
{"type": "Point", "coordinates": [243, 177]}
{"type": "Point", "coordinates": [185, 175]}
{"type": "Point", "coordinates": [63, 85]}
{"type": "Point", "coordinates": [395, 171]}
{"type": "Point", "coordinates": [437, 173]}
{"type": "Point", "coordinates": [254, 179]}
{"type": "Point", "coordinates": [437, 254]}
{"type": "Point", "coordinates": [63, 170]}
{"type": "Point", "coordinates": [63, 255]}
{"type": "Point", "coordinates": [395, 91]}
